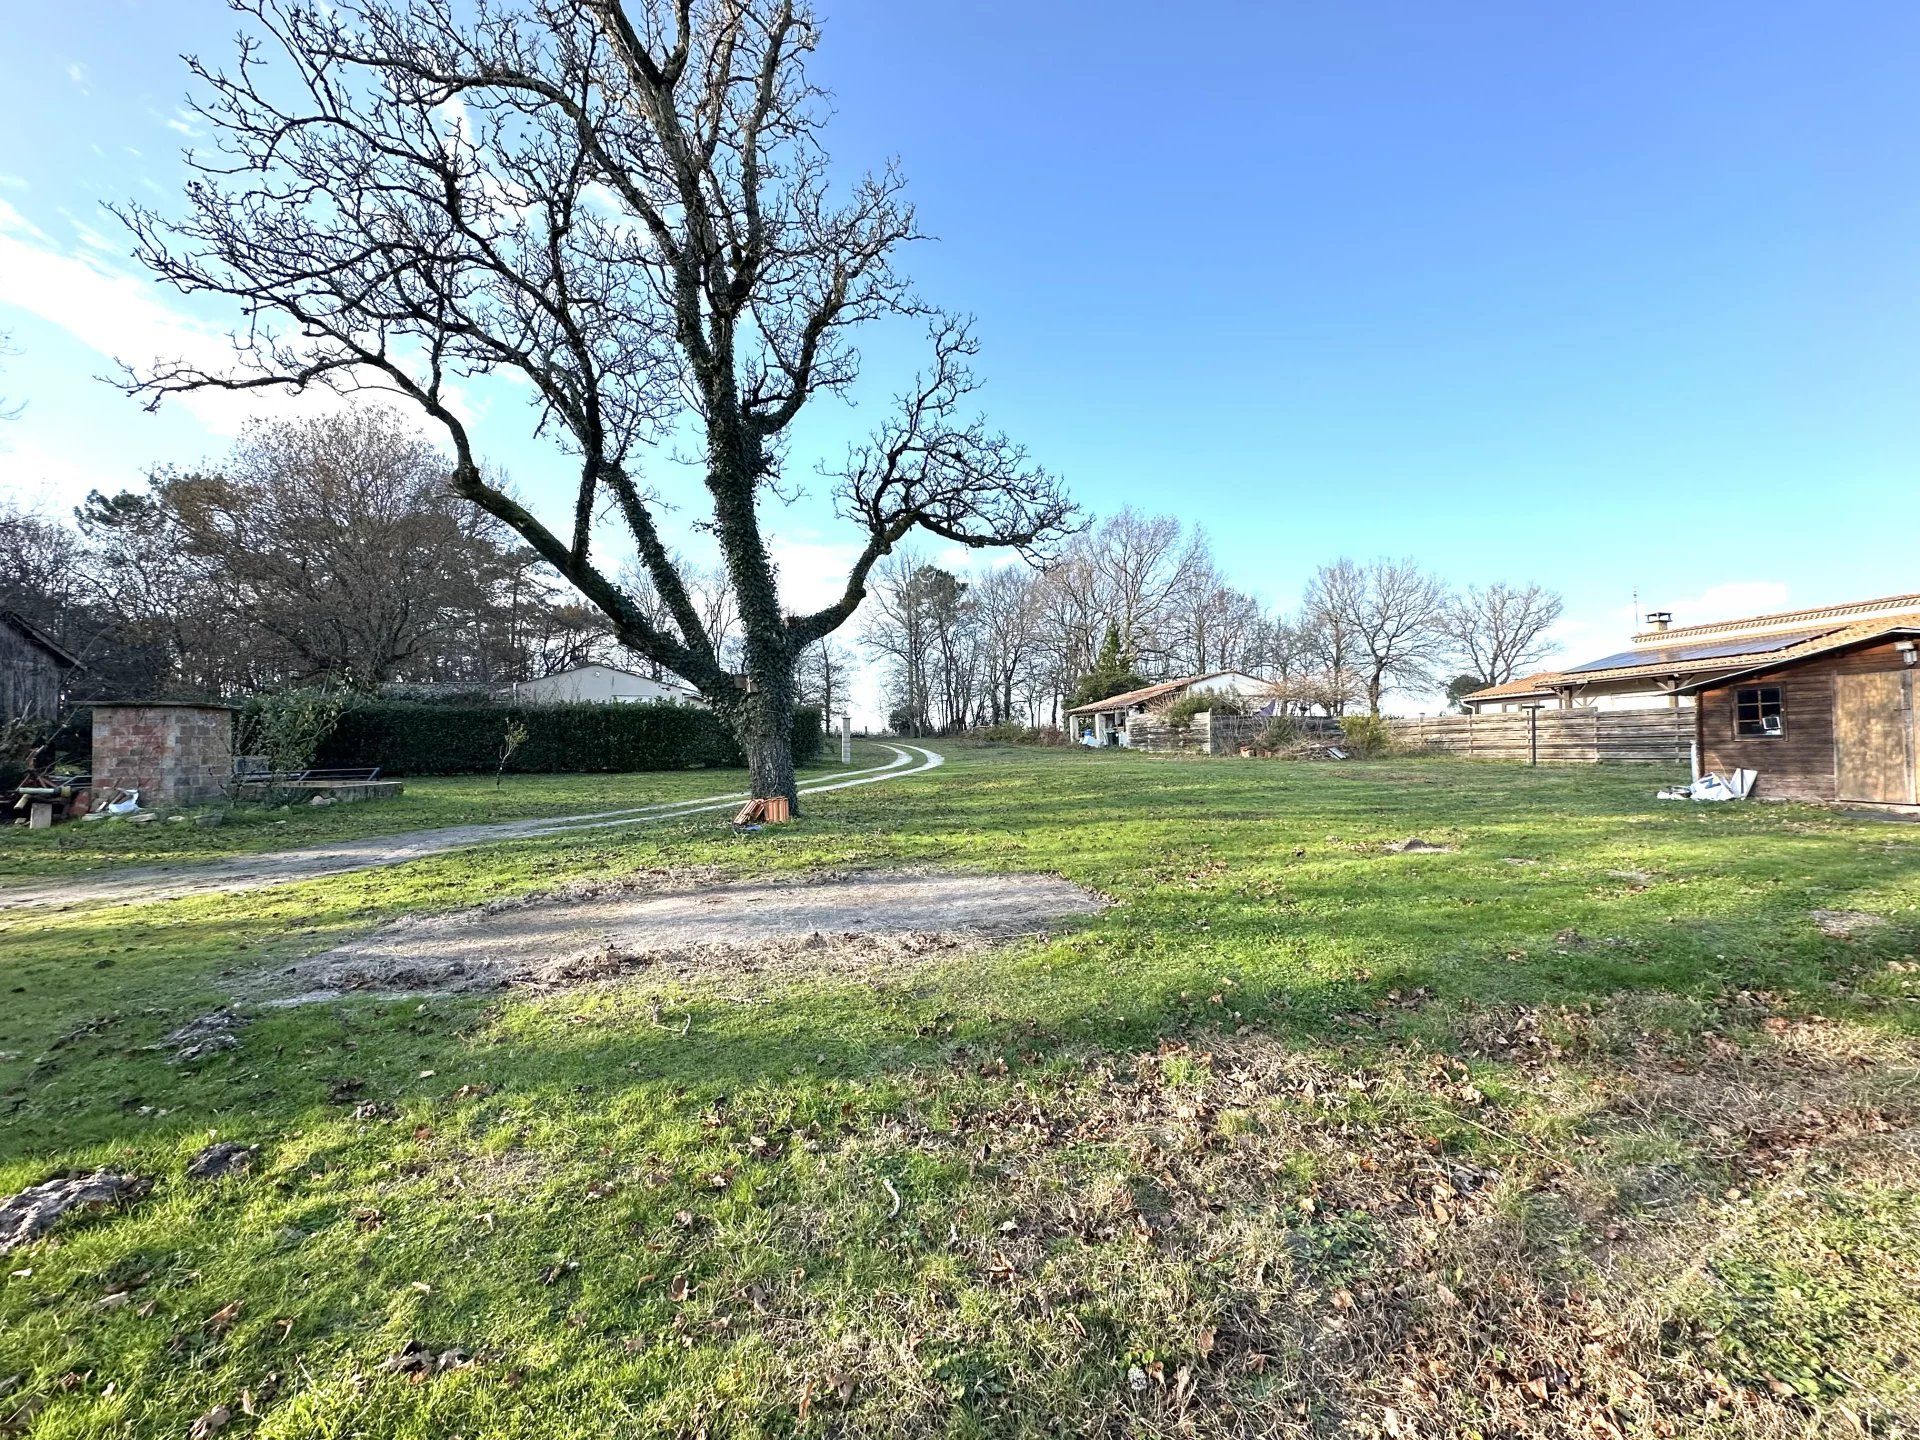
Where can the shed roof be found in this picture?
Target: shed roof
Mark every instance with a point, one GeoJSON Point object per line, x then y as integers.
{"type": "Point", "coordinates": [1865, 632]}
{"type": "Point", "coordinates": [1146, 694]}
{"type": "Point", "coordinates": [14, 620]}
{"type": "Point", "coordinates": [1538, 683]}
{"type": "Point", "coordinates": [1708, 658]}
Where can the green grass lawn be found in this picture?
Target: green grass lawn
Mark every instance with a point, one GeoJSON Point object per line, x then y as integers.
{"type": "Point", "coordinates": [1584, 1128]}
{"type": "Point", "coordinates": [428, 802]}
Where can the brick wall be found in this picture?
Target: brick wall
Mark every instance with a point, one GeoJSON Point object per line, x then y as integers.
{"type": "Point", "coordinates": [171, 754]}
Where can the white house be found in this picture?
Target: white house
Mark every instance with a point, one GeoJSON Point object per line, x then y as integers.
{"type": "Point", "coordinates": [1104, 722]}
{"type": "Point", "coordinates": [599, 684]}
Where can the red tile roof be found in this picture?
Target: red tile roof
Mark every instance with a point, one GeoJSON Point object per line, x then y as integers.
{"type": "Point", "coordinates": [1147, 693]}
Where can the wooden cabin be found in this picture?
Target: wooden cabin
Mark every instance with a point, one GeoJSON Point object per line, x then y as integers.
{"type": "Point", "coordinates": [1833, 720]}
{"type": "Point", "coordinates": [33, 671]}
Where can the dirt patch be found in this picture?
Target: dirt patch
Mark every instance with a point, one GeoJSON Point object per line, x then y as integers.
{"type": "Point", "coordinates": [223, 1158]}
{"type": "Point", "coordinates": [854, 925]}
{"type": "Point", "coordinates": [204, 1035]}
{"type": "Point", "coordinates": [34, 1211]}
{"type": "Point", "coordinates": [1845, 924]}
{"type": "Point", "coordinates": [1414, 845]}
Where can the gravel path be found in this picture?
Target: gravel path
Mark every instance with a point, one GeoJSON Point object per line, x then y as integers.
{"type": "Point", "coordinates": [284, 867]}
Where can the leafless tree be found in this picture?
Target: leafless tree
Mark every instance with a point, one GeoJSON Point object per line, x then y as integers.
{"type": "Point", "coordinates": [825, 672]}
{"type": "Point", "coordinates": [899, 626]}
{"type": "Point", "coordinates": [1007, 613]}
{"type": "Point", "coordinates": [7, 411]}
{"type": "Point", "coordinates": [1389, 617]}
{"type": "Point", "coordinates": [1500, 629]}
{"type": "Point", "coordinates": [1212, 625]}
{"type": "Point", "coordinates": [626, 203]}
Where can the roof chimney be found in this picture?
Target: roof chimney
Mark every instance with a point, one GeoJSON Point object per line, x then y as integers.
{"type": "Point", "coordinates": [1660, 619]}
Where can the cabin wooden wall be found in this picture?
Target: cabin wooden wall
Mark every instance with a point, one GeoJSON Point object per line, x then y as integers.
{"type": "Point", "coordinates": [1799, 763]}
{"type": "Point", "coordinates": [29, 679]}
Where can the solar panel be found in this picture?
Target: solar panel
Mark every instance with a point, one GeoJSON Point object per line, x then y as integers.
{"type": "Point", "coordinates": [1720, 650]}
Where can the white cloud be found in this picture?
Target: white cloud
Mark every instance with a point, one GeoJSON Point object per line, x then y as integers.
{"type": "Point", "coordinates": [52, 480]}
{"type": "Point", "coordinates": [1589, 633]}
{"type": "Point", "coordinates": [12, 182]}
{"type": "Point", "coordinates": [813, 573]}
{"type": "Point", "coordinates": [77, 73]}
{"type": "Point", "coordinates": [122, 317]}
{"type": "Point", "coordinates": [1733, 600]}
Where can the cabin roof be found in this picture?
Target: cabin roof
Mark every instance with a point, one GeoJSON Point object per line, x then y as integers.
{"type": "Point", "coordinates": [1146, 694]}
{"type": "Point", "coordinates": [34, 635]}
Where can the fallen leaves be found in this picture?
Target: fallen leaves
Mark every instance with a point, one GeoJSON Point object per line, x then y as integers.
{"type": "Point", "coordinates": [420, 1362]}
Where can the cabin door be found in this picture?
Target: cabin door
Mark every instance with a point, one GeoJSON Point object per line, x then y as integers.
{"type": "Point", "coordinates": [1873, 737]}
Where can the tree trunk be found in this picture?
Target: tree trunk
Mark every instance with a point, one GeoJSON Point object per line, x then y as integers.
{"type": "Point", "coordinates": [770, 763]}
{"type": "Point", "coordinates": [764, 725]}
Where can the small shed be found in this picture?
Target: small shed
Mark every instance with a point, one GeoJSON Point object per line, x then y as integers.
{"type": "Point", "coordinates": [1835, 719]}
{"type": "Point", "coordinates": [33, 670]}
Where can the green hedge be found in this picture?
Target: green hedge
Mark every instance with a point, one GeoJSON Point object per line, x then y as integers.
{"type": "Point", "coordinates": [410, 738]}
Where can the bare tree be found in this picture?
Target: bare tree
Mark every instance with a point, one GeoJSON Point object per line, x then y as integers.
{"type": "Point", "coordinates": [900, 625]}
{"type": "Point", "coordinates": [1007, 613]}
{"type": "Point", "coordinates": [1502, 628]}
{"type": "Point", "coordinates": [1393, 616]}
{"type": "Point", "coordinates": [9, 412]}
{"type": "Point", "coordinates": [825, 671]}
{"type": "Point", "coordinates": [628, 205]}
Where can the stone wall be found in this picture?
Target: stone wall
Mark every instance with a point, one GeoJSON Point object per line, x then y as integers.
{"type": "Point", "coordinates": [1150, 732]}
{"type": "Point", "coordinates": [1215, 732]}
{"type": "Point", "coordinates": [173, 754]}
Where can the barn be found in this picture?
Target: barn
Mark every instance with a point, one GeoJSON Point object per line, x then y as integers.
{"type": "Point", "coordinates": [33, 670]}
{"type": "Point", "coordinates": [1832, 719]}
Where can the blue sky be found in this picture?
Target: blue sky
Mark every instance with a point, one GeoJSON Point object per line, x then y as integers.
{"type": "Point", "coordinates": [1614, 297]}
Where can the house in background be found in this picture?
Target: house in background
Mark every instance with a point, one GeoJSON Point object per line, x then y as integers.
{"type": "Point", "coordinates": [598, 684]}
{"type": "Point", "coordinates": [33, 670]}
{"type": "Point", "coordinates": [1104, 722]}
{"type": "Point", "coordinates": [1671, 667]}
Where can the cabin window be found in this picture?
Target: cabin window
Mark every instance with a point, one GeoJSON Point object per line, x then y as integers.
{"type": "Point", "coordinates": [1758, 713]}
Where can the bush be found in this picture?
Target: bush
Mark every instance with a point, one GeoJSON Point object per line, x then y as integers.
{"type": "Point", "coordinates": [1180, 713]}
{"type": "Point", "coordinates": [1281, 731]}
{"type": "Point", "coordinates": [287, 729]}
{"type": "Point", "coordinates": [411, 738]}
{"type": "Point", "coordinates": [1366, 735]}
{"type": "Point", "coordinates": [1010, 734]}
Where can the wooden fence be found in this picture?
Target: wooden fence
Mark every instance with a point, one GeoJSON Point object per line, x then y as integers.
{"type": "Point", "coordinates": [1655, 736]}
{"type": "Point", "coordinates": [1659, 736]}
